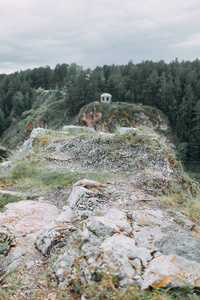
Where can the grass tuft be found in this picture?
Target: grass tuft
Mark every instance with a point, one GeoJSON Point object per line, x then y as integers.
{"type": "Point", "coordinates": [7, 198]}
{"type": "Point", "coordinates": [34, 178]}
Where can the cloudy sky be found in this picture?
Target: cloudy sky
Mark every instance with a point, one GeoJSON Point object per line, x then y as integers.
{"type": "Point", "coordinates": [92, 33]}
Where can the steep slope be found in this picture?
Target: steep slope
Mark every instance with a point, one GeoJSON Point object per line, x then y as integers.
{"type": "Point", "coordinates": [124, 225]}
{"type": "Point", "coordinates": [48, 110]}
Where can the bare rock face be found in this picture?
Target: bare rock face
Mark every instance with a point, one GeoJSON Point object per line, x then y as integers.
{"type": "Point", "coordinates": [57, 232]}
{"type": "Point", "coordinates": [114, 221]}
{"type": "Point", "coordinates": [86, 195]}
{"type": "Point", "coordinates": [145, 247]}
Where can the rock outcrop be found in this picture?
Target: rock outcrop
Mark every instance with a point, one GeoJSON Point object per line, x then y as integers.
{"type": "Point", "coordinates": [28, 143]}
{"type": "Point", "coordinates": [107, 117]}
{"type": "Point", "coordinates": [118, 229]}
{"type": "Point", "coordinates": [144, 247]}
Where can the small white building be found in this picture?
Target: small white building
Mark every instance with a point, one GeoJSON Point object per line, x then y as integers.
{"type": "Point", "coordinates": [106, 98]}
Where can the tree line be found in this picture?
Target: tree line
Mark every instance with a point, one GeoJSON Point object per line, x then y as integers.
{"type": "Point", "coordinates": [174, 88]}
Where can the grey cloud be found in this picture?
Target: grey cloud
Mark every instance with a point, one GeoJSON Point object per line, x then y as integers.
{"type": "Point", "coordinates": [91, 33]}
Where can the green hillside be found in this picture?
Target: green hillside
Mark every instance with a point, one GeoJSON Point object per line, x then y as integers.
{"type": "Point", "coordinates": [48, 110]}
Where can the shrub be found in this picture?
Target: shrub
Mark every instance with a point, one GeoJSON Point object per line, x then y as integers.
{"type": "Point", "coordinates": [23, 169]}
{"type": "Point", "coordinates": [7, 198]}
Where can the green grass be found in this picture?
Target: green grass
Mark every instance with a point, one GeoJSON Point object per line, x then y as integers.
{"type": "Point", "coordinates": [189, 206]}
{"type": "Point", "coordinates": [104, 289]}
{"type": "Point", "coordinates": [13, 283]}
{"type": "Point", "coordinates": [109, 289]}
{"type": "Point", "coordinates": [7, 198]}
{"type": "Point", "coordinates": [31, 178]}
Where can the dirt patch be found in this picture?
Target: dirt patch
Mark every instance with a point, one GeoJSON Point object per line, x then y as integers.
{"type": "Point", "coordinates": [58, 198]}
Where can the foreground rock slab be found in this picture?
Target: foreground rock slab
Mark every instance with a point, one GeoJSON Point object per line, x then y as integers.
{"type": "Point", "coordinates": [144, 247]}
{"type": "Point", "coordinates": [19, 224]}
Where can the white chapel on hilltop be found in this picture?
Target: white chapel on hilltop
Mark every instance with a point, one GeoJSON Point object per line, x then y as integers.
{"type": "Point", "coordinates": [106, 98]}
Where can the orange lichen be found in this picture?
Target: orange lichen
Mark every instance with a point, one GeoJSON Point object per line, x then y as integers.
{"type": "Point", "coordinates": [3, 183]}
{"type": "Point", "coordinates": [173, 260]}
{"type": "Point", "coordinates": [34, 123]}
{"type": "Point", "coordinates": [28, 127]}
{"type": "Point", "coordinates": [162, 282]}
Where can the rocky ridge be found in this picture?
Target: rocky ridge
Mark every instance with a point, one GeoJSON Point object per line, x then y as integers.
{"type": "Point", "coordinates": [118, 229]}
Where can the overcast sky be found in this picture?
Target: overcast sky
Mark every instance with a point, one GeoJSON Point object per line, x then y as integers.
{"type": "Point", "coordinates": [92, 33]}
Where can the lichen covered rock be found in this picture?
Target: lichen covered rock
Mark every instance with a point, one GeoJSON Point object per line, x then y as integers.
{"type": "Point", "coordinates": [28, 143]}
{"type": "Point", "coordinates": [107, 117]}
{"type": "Point", "coordinates": [145, 247]}
{"type": "Point", "coordinates": [171, 271]}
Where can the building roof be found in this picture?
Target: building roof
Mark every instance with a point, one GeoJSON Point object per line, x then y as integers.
{"type": "Point", "coordinates": [106, 95]}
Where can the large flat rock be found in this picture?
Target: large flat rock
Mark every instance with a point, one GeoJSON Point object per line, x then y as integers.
{"type": "Point", "coordinates": [27, 216]}
{"type": "Point", "coordinates": [19, 224]}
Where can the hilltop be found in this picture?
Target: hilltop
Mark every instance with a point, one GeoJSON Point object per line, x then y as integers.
{"type": "Point", "coordinates": [173, 88]}
{"type": "Point", "coordinates": [49, 110]}
{"type": "Point", "coordinates": [108, 117]}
